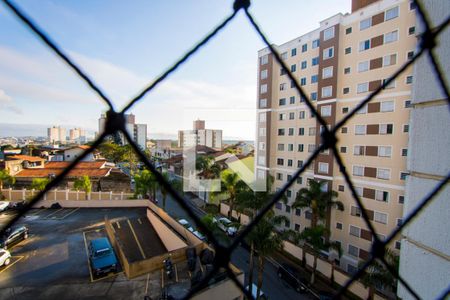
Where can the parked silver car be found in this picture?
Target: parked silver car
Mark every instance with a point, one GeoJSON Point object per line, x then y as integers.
{"type": "Point", "coordinates": [5, 257]}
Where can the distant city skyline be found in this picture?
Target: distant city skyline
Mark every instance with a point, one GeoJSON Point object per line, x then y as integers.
{"type": "Point", "coordinates": [218, 84]}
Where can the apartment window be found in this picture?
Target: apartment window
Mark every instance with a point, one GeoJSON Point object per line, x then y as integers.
{"type": "Point", "coordinates": [313, 96]}
{"type": "Point", "coordinates": [360, 129]}
{"type": "Point", "coordinates": [323, 167]}
{"type": "Point", "coordinates": [397, 245]}
{"type": "Point", "coordinates": [281, 131]}
{"type": "Point", "coordinates": [328, 53]}
{"type": "Point", "coordinates": [263, 74]}
{"type": "Point", "coordinates": [405, 128]}
{"type": "Point", "coordinates": [380, 217]}
{"type": "Point", "coordinates": [382, 196]}
{"type": "Point", "coordinates": [291, 131]}
{"type": "Point", "coordinates": [291, 116]}
{"type": "Point", "coordinates": [327, 91]}
{"type": "Point", "coordinates": [338, 225]}
{"type": "Point", "coordinates": [355, 211]}
{"type": "Point", "coordinates": [386, 128]}
{"type": "Point", "coordinates": [304, 47]}
{"type": "Point", "coordinates": [409, 79]}
{"type": "Point", "coordinates": [299, 165]}
{"type": "Point", "coordinates": [278, 205]}
{"type": "Point", "coordinates": [410, 55]}
{"type": "Point", "coordinates": [311, 148]}
{"type": "Point", "coordinates": [297, 227]}
{"type": "Point", "coordinates": [308, 215]}
{"type": "Point", "coordinates": [284, 55]}
{"type": "Point", "coordinates": [328, 33]}
{"type": "Point", "coordinates": [294, 52]}
{"type": "Point", "coordinates": [387, 106]}
{"type": "Point", "coordinates": [359, 191]}
{"type": "Point", "coordinates": [301, 114]}
{"type": "Point", "coordinates": [389, 60]}
{"type": "Point", "coordinates": [391, 14]}
{"type": "Point", "coordinates": [325, 110]}
{"type": "Point", "coordinates": [262, 118]}
{"type": "Point", "coordinates": [344, 130]}
{"type": "Point", "coordinates": [301, 131]}
{"type": "Point", "coordinates": [315, 43]}
{"type": "Point", "coordinates": [293, 68]}
{"type": "Point", "coordinates": [262, 131]}
{"type": "Point", "coordinates": [358, 150]}
{"type": "Point", "coordinates": [290, 162]}
{"type": "Point", "coordinates": [303, 81]}
{"type": "Point", "coordinates": [353, 251]}
{"type": "Point", "coordinates": [288, 194]}
{"type": "Point", "coordinates": [340, 188]}
{"type": "Point", "coordinates": [299, 179]}
{"type": "Point", "coordinates": [412, 30]}
{"type": "Point", "coordinates": [264, 59]}
{"type": "Point", "coordinates": [282, 101]}
{"type": "Point", "coordinates": [312, 131]}
{"type": "Point", "coordinates": [282, 117]}
{"type": "Point", "coordinates": [401, 199]}
{"type": "Point", "coordinates": [262, 146]}
{"type": "Point", "coordinates": [347, 70]}
{"type": "Point", "coordinates": [404, 152]}
{"type": "Point", "coordinates": [292, 100]}
{"type": "Point", "coordinates": [289, 177]}
{"type": "Point", "coordinates": [287, 223]}
{"type": "Point", "coordinates": [345, 91]}
{"type": "Point", "coordinates": [315, 61]}
{"type": "Point", "coordinates": [263, 89]}
{"type": "Point", "coordinates": [314, 78]}
{"type": "Point", "coordinates": [363, 66]}
{"type": "Point", "coordinates": [300, 147]}
{"type": "Point", "coordinates": [390, 37]}
{"type": "Point", "coordinates": [343, 149]}
{"type": "Point", "coordinates": [403, 175]}
{"type": "Point", "coordinates": [292, 84]}
{"type": "Point", "coordinates": [364, 45]}
{"type": "Point", "coordinates": [348, 50]}
{"type": "Point", "coordinates": [366, 23]}
{"type": "Point", "coordinates": [290, 147]}
{"type": "Point", "coordinates": [408, 104]}
{"type": "Point", "coordinates": [383, 173]}
{"type": "Point", "coordinates": [384, 151]}
{"type": "Point", "coordinates": [354, 230]}
{"type": "Point", "coordinates": [362, 87]}
{"type": "Point", "coordinates": [262, 102]}
{"type": "Point", "coordinates": [348, 30]}
{"type": "Point", "coordinates": [283, 86]}
{"type": "Point", "coordinates": [261, 160]}
{"type": "Point", "coordinates": [282, 72]}
{"type": "Point", "coordinates": [390, 85]}
{"type": "Point", "coordinates": [358, 171]}
{"type": "Point", "coordinates": [327, 72]}
{"type": "Point", "coordinates": [280, 161]}
{"type": "Point", "coordinates": [303, 64]}
{"type": "Point", "coordinates": [280, 147]}
{"type": "Point", "coordinates": [279, 176]}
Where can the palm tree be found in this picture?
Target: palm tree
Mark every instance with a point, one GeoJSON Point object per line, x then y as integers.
{"type": "Point", "coordinates": [266, 241]}
{"type": "Point", "coordinates": [231, 186]}
{"type": "Point", "coordinates": [145, 183]}
{"type": "Point", "coordinates": [6, 178]}
{"type": "Point", "coordinates": [377, 275]}
{"type": "Point", "coordinates": [84, 184]}
{"type": "Point", "coordinates": [207, 166]}
{"type": "Point", "coordinates": [318, 200]}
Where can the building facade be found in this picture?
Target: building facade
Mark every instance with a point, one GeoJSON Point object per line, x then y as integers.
{"type": "Point", "coordinates": [199, 136]}
{"type": "Point", "coordinates": [338, 65]}
{"type": "Point", "coordinates": [56, 134]}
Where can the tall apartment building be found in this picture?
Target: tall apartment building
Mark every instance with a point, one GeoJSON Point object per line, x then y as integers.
{"type": "Point", "coordinates": [77, 135]}
{"type": "Point", "coordinates": [138, 132]}
{"type": "Point", "coordinates": [56, 134]}
{"type": "Point", "coordinates": [338, 65]}
{"type": "Point", "coordinates": [200, 136]}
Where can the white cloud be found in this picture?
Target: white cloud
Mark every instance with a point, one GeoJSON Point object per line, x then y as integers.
{"type": "Point", "coordinates": [7, 103]}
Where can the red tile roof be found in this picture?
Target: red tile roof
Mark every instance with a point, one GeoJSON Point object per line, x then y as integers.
{"type": "Point", "coordinates": [26, 157]}
{"type": "Point", "coordinates": [80, 165]}
{"type": "Point", "coordinates": [91, 169]}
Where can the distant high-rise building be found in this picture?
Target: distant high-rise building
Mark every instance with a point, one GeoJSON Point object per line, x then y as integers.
{"type": "Point", "coordinates": [138, 132]}
{"type": "Point", "coordinates": [200, 136]}
{"type": "Point", "coordinates": [56, 134]}
{"type": "Point", "coordinates": [338, 65]}
{"type": "Point", "coordinates": [77, 135]}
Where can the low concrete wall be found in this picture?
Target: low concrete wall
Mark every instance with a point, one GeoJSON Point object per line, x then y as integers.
{"type": "Point", "coordinates": [224, 290]}
{"type": "Point", "coordinates": [93, 203]}
{"type": "Point", "coordinates": [65, 194]}
{"type": "Point", "coordinates": [170, 240]}
{"type": "Point", "coordinates": [224, 208]}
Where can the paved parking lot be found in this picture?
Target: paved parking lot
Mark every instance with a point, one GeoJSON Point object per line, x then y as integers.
{"type": "Point", "coordinates": [53, 262]}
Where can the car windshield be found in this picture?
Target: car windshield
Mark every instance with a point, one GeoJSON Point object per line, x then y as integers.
{"type": "Point", "coordinates": [102, 252]}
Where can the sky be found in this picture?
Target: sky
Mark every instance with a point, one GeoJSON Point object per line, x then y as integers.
{"type": "Point", "coordinates": [124, 45]}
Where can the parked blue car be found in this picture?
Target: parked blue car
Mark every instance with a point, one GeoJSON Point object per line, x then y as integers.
{"type": "Point", "coordinates": [102, 257]}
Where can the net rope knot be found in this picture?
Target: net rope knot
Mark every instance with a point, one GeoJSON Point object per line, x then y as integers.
{"type": "Point", "coordinates": [238, 4]}
{"type": "Point", "coordinates": [115, 121]}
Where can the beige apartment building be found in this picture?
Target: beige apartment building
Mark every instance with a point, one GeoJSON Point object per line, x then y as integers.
{"type": "Point", "coordinates": [338, 65]}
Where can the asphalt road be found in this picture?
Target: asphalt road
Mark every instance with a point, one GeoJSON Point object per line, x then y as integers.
{"type": "Point", "coordinates": [273, 287]}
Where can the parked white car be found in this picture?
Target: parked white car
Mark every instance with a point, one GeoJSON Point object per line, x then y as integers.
{"type": "Point", "coordinates": [199, 235]}
{"type": "Point", "coordinates": [4, 205]}
{"type": "Point", "coordinates": [5, 257]}
{"type": "Point", "coordinates": [185, 223]}
{"type": "Point", "coordinates": [226, 225]}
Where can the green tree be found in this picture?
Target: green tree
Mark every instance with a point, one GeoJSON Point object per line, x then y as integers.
{"type": "Point", "coordinates": [83, 183]}
{"type": "Point", "coordinates": [6, 178]}
{"type": "Point", "coordinates": [145, 183]}
{"type": "Point", "coordinates": [207, 166]}
{"type": "Point", "coordinates": [377, 275]}
{"type": "Point", "coordinates": [231, 187]}
{"type": "Point", "coordinates": [39, 183]}
{"type": "Point", "coordinates": [211, 224]}
{"type": "Point", "coordinates": [318, 200]}
{"type": "Point", "coordinates": [266, 241]}
{"type": "Point", "coordinates": [164, 192]}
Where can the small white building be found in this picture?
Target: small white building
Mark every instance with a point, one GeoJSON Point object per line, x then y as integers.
{"type": "Point", "coordinates": [72, 153]}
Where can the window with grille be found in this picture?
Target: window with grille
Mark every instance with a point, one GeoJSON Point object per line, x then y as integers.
{"type": "Point", "coordinates": [380, 217]}
{"type": "Point", "coordinates": [383, 173]}
{"type": "Point", "coordinates": [358, 170]}
{"type": "Point", "coordinates": [354, 230]}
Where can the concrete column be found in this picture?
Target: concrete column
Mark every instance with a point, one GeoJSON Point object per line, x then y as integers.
{"type": "Point", "coordinates": [121, 195]}
{"type": "Point", "coordinates": [110, 195]}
